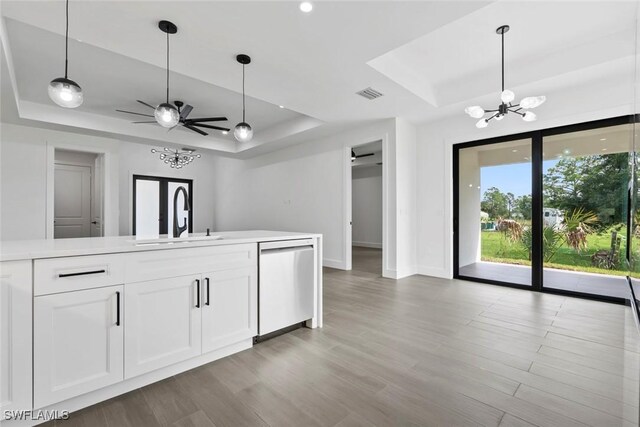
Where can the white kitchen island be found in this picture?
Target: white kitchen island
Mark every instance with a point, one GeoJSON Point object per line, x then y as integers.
{"type": "Point", "coordinates": [84, 320]}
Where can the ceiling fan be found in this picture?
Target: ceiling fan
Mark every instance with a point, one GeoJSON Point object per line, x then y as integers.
{"type": "Point", "coordinates": [183, 110]}
{"type": "Point", "coordinates": [354, 156]}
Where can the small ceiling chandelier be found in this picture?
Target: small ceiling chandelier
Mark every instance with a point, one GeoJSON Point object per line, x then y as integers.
{"type": "Point", "coordinates": [177, 158]}
{"type": "Point", "coordinates": [243, 131]}
{"type": "Point", "coordinates": [166, 114]}
{"type": "Point", "coordinates": [64, 91]}
{"type": "Point", "coordinates": [507, 97]}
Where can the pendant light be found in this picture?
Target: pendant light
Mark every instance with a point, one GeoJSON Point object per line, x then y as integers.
{"type": "Point", "coordinates": [167, 114]}
{"type": "Point", "coordinates": [64, 91]}
{"type": "Point", "coordinates": [507, 97]}
{"type": "Point", "coordinates": [243, 131]}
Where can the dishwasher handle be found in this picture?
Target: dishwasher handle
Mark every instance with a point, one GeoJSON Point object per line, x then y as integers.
{"type": "Point", "coordinates": [285, 244]}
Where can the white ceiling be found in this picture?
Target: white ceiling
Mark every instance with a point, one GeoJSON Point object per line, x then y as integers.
{"type": "Point", "coordinates": [428, 58]}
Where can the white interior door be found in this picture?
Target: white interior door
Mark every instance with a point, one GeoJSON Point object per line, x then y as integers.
{"type": "Point", "coordinates": [72, 201]}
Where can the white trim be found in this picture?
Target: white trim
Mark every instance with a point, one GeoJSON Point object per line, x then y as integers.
{"type": "Point", "coordinates": [334, 263]}
{"type": "Point", "coordinates": [443, 273]}
{"type": "Point", "coordinates": [385, 206]}
{"type": "Point", "coordinates": [367, 245]}
{"type": "Point", "coordinates": [347, 213]}
{"type": "Point", "coordinates": [109, 222]}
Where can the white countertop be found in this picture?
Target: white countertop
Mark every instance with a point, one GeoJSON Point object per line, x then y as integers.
{"type": "Point", "coordinates": [52, 248]}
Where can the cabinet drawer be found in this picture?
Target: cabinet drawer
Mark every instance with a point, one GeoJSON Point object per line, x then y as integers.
{"type": "Point", "coordinates": [55, 275]}
{"type": "Point", "coordinates": [142, 266]}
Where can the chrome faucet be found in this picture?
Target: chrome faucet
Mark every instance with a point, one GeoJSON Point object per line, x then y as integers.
{"type": "Point", "coordinates": [177, 229]}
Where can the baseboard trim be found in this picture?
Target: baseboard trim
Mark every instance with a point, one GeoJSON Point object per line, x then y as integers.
{"type": "Point", "coordinates": [333, 263]}
{"type": "Point", "coordinates": [434, 272]}
{"type": "Point", "coordinates": [367, 245]}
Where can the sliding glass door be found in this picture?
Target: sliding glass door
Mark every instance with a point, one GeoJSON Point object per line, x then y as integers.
{"type": "Point", "coordinates": [495, 212]}
{"type": "Point", "coordinates": [586, 177]}
{"type": "Point", "coordinates": [550, 210]}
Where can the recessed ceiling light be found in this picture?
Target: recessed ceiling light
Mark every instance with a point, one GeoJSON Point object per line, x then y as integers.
{"type": "Point", "coordinates": [604, 149]}
{"type": "Point", "coordinates": [566, 151]}
{"type": "Point", "coordinates": [514, 151]}
{"type": "Point", "coordinates": [470, 185]}
{"type": "Point", "coordinates": [281, 106]}
{"type": "Point", "coordinates": [306, 6]}
{"type": "Point", "coordinates": [603, 139]}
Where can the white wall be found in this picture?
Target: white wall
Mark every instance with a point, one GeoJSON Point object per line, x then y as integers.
{"type": "Point", "coordinates": [304, 188]}
{"type": "Point", "coordinates": [24, 183]}
{"type": "Point", "coordinates": [367, 206]}
{"type": "Point", "coordinates": [469, 218]}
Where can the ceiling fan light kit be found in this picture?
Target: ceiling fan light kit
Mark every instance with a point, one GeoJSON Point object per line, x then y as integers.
{"type": "Point", "coordinates": [64, 91]}
{"type": "Point", "coordinates": [507, 97]}
{"type": "Point", "coordinates": [243, 131]}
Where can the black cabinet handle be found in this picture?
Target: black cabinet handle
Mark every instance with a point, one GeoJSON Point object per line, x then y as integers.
{"type": "Point", "coordinates": [198, 293]}
{"type": "Point", "coordinates": [82, 273]}
{"type": "Point", "coordinates": [117, 308]}
{"type": "Point", "coordinates": [208, 296]}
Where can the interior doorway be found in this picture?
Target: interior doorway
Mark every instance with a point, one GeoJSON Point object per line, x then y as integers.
{"type": "Point", "coordinates": [367, 207]}
{"type": "Point", "coordinates": [78, 194]}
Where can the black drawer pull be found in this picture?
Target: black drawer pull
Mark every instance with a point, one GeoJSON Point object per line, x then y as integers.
{"type": "Point", "coordinates": [197, 293]}
{"type": "Point", "coordinates": [82, 273]}
{"type": "Point", "coordinates": [117, 308]}
{"type": "Point", "coordinates": [208, 296]}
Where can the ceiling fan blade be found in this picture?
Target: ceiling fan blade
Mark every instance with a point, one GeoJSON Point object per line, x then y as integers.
{"type": "Point", "coordinates": [186, 110]}
{"type": "Point", "coordinates": [209, 119]}
{"type": "Point", "coordinates": [151, 121]}
{"type": "Point", "coordinates": [195, 130]}
{"type": "Point", "coordinates": [148, 105]}
{"type": "Point", "coordinates": [132, 112]}
{"type": "Point", "coordinates": [209, 126]}
{"type": "Point", "coordinates": [364, 155]}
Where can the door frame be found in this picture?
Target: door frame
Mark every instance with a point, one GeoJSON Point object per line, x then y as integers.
{"type": "Point", "coordinates": [164, 199]}
{"type": "Point", "coordinates": [537, 145]}
{"type": "Point", "coordinates": [105, 157]}
{"type": "Point", "coordinates": [348, 202]}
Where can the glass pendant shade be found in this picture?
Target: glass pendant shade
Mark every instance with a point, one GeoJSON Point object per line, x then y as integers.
{"type": "Point", "coordinates": [166, 115]}
{"type": "Point", "coordinates": [243, 132]}
{"type": "Point", "coordinates": [482, 123]}
{"type": "Point", "coordinates": [475, 111]}
{"type": "Point", "coordinates": [507, 96]}
{"type": "Point", "coordinates": [65, 92]}
{"type": "Point", "coordinates": [532, 101]}
{"type": "Point", "coordinates": [529, 116]}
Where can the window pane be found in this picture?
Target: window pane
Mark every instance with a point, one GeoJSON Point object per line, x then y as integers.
{"type": "Point", "coordinates": [494, 212]}
{"type": "Point", "coordinates": [585, 189]}
{"type": "Point", "coordinates": [147, 208]}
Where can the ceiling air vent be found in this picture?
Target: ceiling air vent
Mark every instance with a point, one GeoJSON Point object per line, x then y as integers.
{"type": "Point", "coordinates": [369, 93]}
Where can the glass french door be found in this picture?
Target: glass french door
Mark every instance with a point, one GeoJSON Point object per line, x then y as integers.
{"type": "Point", "coordinates": [153, 205]}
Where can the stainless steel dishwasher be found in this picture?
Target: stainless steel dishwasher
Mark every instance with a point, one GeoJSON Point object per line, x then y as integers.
{"type": "Point", "coordinates": [285, 288]}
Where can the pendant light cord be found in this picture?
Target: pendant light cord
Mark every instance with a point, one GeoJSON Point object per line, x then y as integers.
{"type": "Point", "coordinates": [243, 120]}
{"type": "Point", "coordinates": [167, 67]}
{"type": "Point", "coordinates": [503, 61]}
{"type": "Point", "coordinates": [66, 41]}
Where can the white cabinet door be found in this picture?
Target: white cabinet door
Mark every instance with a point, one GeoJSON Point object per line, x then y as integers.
{"type": "Point", "coordinates": [163, 323]}
{"type": "Point", "coordinates": [230, 307]}
{"type": "Point", "coordinates": [78, 343]}
{"type": "Point", "coordinates": [15, 333]}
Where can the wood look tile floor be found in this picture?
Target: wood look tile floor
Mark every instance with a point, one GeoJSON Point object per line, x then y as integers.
{"type": "Point", "coordinates": [414, 352]}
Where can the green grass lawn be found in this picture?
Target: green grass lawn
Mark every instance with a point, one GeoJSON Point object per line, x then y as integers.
{"type": "Point", "coordinates": [497, 248]}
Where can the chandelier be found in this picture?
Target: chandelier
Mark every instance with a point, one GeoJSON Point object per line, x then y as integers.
{"type": "Point", "coordinates": [177, 158]}
{"type": "Point", "coordinates": [507, 97]}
